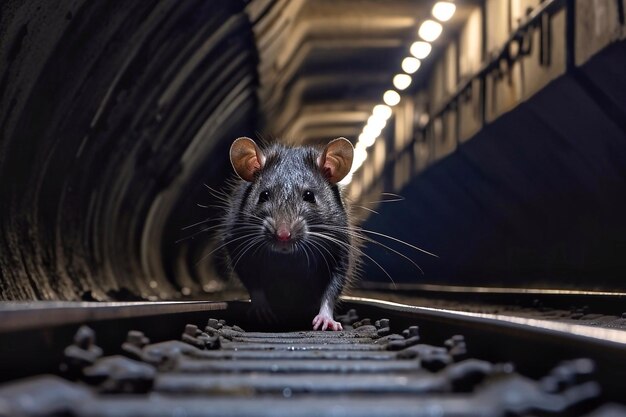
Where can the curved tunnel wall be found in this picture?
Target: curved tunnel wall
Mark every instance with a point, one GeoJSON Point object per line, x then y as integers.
{"type": "Point", "coordinates": [110, 113]}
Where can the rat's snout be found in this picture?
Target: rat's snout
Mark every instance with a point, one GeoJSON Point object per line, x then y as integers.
{"type": "Point", "coordinates": [283, 234]}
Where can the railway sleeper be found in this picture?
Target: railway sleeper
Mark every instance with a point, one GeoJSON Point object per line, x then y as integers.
{"type": "Point", "coordinates": [366, 370]}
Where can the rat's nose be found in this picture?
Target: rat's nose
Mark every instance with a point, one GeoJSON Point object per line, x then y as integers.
{"type": "Point", "coordinates": [283, 234]}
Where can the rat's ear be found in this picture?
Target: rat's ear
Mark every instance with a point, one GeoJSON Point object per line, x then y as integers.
{"type": "Point", "coordinates": [336, 160]}
{"type": "Point", "coordinates": [246, 158]}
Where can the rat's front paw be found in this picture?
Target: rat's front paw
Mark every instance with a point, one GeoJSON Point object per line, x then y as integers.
{"type": "Point", "coordinates": [326, 322]}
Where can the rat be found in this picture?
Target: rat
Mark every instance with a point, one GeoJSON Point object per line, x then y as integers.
{"type": "Point", "coordinates": [288, 234]}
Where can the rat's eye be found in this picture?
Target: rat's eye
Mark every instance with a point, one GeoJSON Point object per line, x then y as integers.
{"type": "Point", "coordinates": [309, 197]}
{"type": "Point", "coordinates": [264, 196]}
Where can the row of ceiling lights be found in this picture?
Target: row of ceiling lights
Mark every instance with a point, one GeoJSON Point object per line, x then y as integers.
{"type": "Point", "coordinates": [428, 31]}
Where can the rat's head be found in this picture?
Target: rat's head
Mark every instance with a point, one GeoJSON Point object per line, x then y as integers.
{"type": "Point", "coordinates": [292, 192]}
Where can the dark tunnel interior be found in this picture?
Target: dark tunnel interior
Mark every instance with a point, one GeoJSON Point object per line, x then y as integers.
{"type": "Point", "coordinates": [506, 156]}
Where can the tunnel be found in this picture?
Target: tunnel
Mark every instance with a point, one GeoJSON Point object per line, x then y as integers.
{"type": "Point", "coordinates": [470, 164]}
{"type": "Point", "coordinates": [504, 156]}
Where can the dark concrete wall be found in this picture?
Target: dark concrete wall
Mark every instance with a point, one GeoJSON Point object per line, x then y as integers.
{"type": "Point", "coordinates": [536, 199]}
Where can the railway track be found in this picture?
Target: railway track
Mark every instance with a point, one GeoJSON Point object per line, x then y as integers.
{"type": "Point", "coordinates": [195, 358]}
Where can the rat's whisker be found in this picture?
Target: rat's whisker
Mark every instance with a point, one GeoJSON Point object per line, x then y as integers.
{"type": "Point", "coordinates": [361, 229]}
{"type": "Point", "coordinates": [397, 240]}
{"type": "Point", "coordinates": [358, 250]}
{"type": "Point", "coordinates": [365, 208]}
{"type": "Point", "coordinates": [396, 198]}
{"type": "Point", "coordinates": [370, 240]}
{"type": "Point", "coordinates": [249, 246]}
{"type": "Point", "coordinates": [316, 245]}
{"type": "Point", "coordinates": [219, 194]}
{"type": "Point", "coordinates": [206, 229]}
{"type": "Point", "coordinates": [223, 245]}
{"type": "Point", "coordinates": [210, 219]}
{"type": "Point", "coordinates": [214, 227]}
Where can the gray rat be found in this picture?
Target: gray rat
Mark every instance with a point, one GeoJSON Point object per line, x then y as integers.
{"type": "Point", "coordinates": [287, 232]}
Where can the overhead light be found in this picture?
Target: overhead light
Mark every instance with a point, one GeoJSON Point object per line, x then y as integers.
{"type": "Point", "coordinates": [391, 98]}
{"type": "Point", "coordinates": [360, 155]}
{"type": "Point", "coordinates": [382, 111]}
{"type": "Point", "coordinates": [402, 81]}
{"type": "Point", "coordinates": [430, 30]}
{"type": "Point", "coordinates": [444, 10]}
{"type": "Point", "coordinates": [420, 49]}
{"type": "Point", "coordinates": [348, 178]}
{"type": "Point", "coordinates": [410, 65]}
{"type": "Point", "coordinates": [376, 122]}
{"type": "Point", "coordinates": [372, 131]}
{"type": "Point", "coordinates": [367, 140]}
{"type": "Point", "coordinates": [356, 163]}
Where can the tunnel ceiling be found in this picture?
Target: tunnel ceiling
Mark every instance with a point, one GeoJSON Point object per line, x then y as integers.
{"type": "Point", "coordinates": [324, 64]}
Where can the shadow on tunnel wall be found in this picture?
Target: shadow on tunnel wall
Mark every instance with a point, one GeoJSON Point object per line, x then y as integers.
{"type": "Point", "coordinates": [111, 114]}
{"type": "Point", "coordinates": [537, 199]}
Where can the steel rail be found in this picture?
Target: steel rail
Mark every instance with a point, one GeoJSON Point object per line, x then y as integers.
{"type": "Point", "coordinates": [370, 285]}
{"type": "Point", "coordinates": [610, 336]}
{"type": "Point", "coordinates": [18, 316]}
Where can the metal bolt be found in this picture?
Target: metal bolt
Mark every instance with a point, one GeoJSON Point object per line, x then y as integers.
{"type": "Point", "coordinates": [583, 366]}
{"type": "Point", "coordinates": [84, 337]}
{"type": "Point", "coordinates": [191, 329]}
{"type": "Point", "coordinates": [137, 338]}
{"type": "Point", "coordinates": [550, 384]}
{"type": "Point", "coordinates": [414, 331]}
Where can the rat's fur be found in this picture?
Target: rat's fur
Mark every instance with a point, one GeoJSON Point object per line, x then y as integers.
{"type": "Point", "coordinates": [292, 282]}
